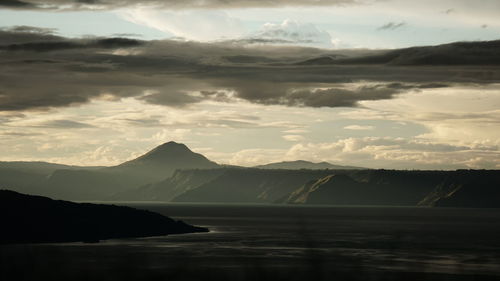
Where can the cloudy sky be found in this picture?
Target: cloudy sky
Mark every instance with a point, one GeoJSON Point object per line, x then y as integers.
{"type": "Point", "coordinates": [247, 82]}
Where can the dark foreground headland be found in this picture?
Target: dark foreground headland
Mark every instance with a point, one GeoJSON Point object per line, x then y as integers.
{"type": "Point", "coordinates": [36, 219]}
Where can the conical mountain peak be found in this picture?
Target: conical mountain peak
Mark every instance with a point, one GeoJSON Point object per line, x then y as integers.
{"type": "Point", "coordinates": [171, 156]}
{"type": "Point", "coordinates": [169, 151]}
{"type": "Point", "coordinates": [170, 147]}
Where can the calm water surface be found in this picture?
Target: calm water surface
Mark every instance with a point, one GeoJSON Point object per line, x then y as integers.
{"type": "Point", "coordinates": [262, 242]}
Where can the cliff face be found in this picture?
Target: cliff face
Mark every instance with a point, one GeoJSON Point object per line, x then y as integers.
{"type": "Point", "coordinates": [466, 189]}
{"type": "Point", "coordinates": [462, 188]}
{"type": "Point", "coordinates": [318, 191]}
{"type": "Point", "coordinates": [250, 186]}
{"type": "Point", "coordinates": [36, 219]}
{"type": "Point", "coordinates": [374, 187]}
{"type": "Point", "coordinates": [337, 187]}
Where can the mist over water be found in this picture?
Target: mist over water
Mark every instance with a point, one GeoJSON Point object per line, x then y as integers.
{"type": "Point", "coordinates": [262, 242]}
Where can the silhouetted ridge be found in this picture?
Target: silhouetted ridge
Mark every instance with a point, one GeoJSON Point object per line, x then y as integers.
{"type": "Point", "coordinates": [27, 218]}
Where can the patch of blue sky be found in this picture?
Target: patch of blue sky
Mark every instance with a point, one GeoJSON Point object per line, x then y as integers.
{"type": "Point", "coordinates": [78, 24]}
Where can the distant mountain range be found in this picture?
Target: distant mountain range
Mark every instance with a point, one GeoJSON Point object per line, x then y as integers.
{"type": "Point", "coordinates": [301, 164]}
{"type": "Point", "coordinates": [172, 172]}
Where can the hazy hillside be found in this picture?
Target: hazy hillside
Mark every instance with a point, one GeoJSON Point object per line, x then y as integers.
{"type": "Point", "coordinates": [82, 183]}
{"type": "Point", "coordinates": [27, 176]}
{"type": "Point", "coordinates": [41, 168]}
{"type": "Point", "coordinates": [158, 164]}
{"type": "Point", "coordinates": [250, 185]}
{"type": "Point", "coordinates": [27, 218]}
{"type": "Point", "coordinates": [21, 181]}
{"type": "Point", "coordinates": [301, 164]}
{"type": "Point", "coordinates": [166, 190]}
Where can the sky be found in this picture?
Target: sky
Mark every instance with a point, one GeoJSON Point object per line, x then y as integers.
{"type": "Point", "coordinates": [248, 82]}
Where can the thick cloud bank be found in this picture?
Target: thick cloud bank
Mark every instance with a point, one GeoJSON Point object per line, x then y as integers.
{"type": "Point", "coordinates": [41, 70]}
{"type": "Point", "coordinates": [170, 4]}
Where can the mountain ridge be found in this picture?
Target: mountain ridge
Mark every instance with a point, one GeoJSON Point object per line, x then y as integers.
{"type": "Point", "coordinates": [302, 164]}
{"type": "Point", "coordinates": [172, 172]}
{"type": "Point", "coordinates": [155, 165]}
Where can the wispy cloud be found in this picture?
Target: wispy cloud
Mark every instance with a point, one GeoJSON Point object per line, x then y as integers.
{"type": "Point", "coordinates": [392, 26]}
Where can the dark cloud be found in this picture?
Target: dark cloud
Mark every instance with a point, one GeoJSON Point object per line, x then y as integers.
{"type": "Point", "coordinates": [262, 41]}
{"type": "Point", "coordinates": [15, 4]}
{"type": "Point", "coordinates": [170, 98]}
{"type": "Point", "coordinates": [41, 47]}
{"type": "Point", "coordinates": [335, 97]}
{"type": "Point", "coordinates": [26, 34]}
{"type": "Point", "coordinates": [29, 29]}
{"type": "Point", "coordinates": [40, 71]}
{"type": "Point", "coordinates": [402, 86]}
{"type": "Point", "coordinates": [219, 96]}
{"type": "Point", "coordinates": [392, 26]}
{"type": "Point", "coordinates": [127, 35]}
{"type": "Point", "coordinates": [171, 4]}
{"type": "Point", "coordinates": [19, 134]}
{"type": "Point", "coordinates": [63, 124]}
{"type": "Point", "coordinates": [144, 122]}
{"type": "Point", "coordinates": [53, 45]}
{"type": "Point", "coordinates": [459, 53]}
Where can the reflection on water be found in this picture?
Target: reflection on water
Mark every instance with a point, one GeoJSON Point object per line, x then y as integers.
{"type": "Point", "coordinates": [282, 242]}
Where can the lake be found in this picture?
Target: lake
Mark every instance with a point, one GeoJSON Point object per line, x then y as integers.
{"type": "Point", "coordinates": [281, 242]}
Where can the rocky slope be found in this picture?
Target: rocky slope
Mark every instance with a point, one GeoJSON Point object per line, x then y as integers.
{"type": "Point", "coordinates": [466, 189]}
{"type": "Point", "coordinates": [374, 187]}
{"type": "Point", "coordinates": [462, 188]}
